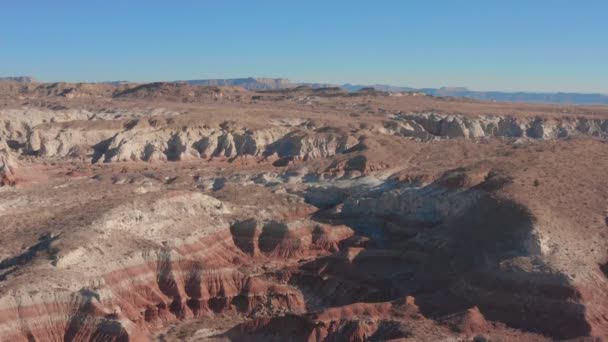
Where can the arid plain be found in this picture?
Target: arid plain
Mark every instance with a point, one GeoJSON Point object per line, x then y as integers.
{"type": "Point", "coordinates": [167, 211]}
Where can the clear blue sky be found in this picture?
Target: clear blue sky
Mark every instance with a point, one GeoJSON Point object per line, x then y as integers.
{"type": "Point", "coordinates": [537, 45]}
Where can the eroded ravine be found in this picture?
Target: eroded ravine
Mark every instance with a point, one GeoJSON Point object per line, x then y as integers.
{"type": "Point", "coordinates": [443, 248]}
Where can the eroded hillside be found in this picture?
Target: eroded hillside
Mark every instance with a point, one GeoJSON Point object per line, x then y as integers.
{"type": "Point", "coordinates": [172, 211]}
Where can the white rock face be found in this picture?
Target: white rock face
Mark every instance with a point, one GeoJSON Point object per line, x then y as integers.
{"type": "Point", "coordinates": [16, 124]}
{"type": "Point", "coordinates": [156, 221]}
{"type": "Point", "coordinates": [308, 145]}
{"type": "Point", "coordinates": [95, 137]}
{"type": "Point", "coordinates": [169, 144]}
{"type": "Point", "coordinates": [429, 125]}
{"type": "Point", "coordinates": [426, 206]}
{"type": "Point", "coordinates": [59, 142]}
{"type": "Point", "coordinates": [148, 143]}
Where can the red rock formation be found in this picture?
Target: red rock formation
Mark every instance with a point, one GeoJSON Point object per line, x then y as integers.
{"type": "Point", "coordinates": [194, 280]}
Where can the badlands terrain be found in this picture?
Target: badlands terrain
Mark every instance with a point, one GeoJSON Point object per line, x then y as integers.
{"type": "Point", "coordinates": [137, 212]}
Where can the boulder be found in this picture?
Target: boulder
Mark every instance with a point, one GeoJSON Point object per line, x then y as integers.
{"type": "Point", "coordinates": [8, 165]}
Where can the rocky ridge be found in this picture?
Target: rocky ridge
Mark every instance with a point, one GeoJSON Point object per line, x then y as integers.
{"type": "Point", "coordinates": [429, 125]}
{"type": "Point", "coordinates": [152, 139]}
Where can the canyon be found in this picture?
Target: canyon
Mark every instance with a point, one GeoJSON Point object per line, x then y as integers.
{"type": "Point", "coordinates": [174, 211]}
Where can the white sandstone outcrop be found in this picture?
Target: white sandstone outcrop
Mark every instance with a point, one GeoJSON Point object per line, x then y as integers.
{"type": "Point", "coordinates": [86, 135]}
{"type": "Point", "coordinates": [149, 143]}
{"type": "Point", "coordinates": [428, 125]}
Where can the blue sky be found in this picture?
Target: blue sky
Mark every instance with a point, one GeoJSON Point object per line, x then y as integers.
{"type": "Point", "coordinates": [534, 45]}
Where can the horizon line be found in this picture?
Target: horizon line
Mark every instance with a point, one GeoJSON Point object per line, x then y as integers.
{"type": "Point", "coordinates": [320, 82]}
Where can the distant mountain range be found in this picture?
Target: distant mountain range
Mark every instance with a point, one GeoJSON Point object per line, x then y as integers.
{"type": "Point", "coordinates": [499, 96]}
{"type": "Point", "coordinates": [560, 98]}
{"type": "Point", "coordinates": [18, 79]}
{"type": "Point", "coordinates": [257, 83]}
